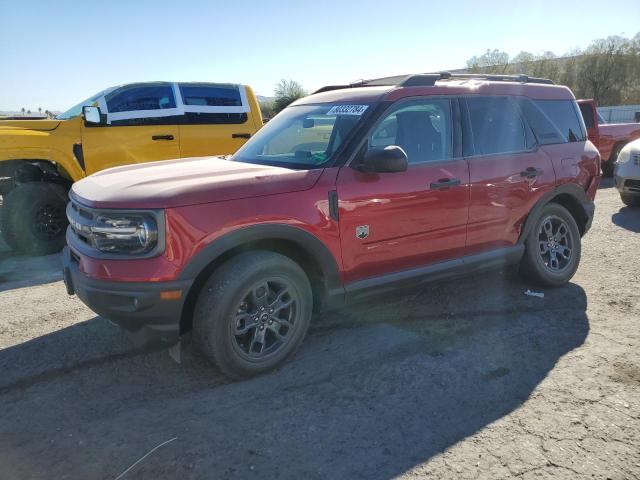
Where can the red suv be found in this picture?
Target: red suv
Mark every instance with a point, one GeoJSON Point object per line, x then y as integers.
{"type": "Point", "coordinates": [350, 191]}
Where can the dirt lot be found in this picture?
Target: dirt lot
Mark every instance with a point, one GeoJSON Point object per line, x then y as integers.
{"type": "Point", "coordinates": [465, 379]}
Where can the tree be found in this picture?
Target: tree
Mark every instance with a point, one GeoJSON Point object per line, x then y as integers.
{"type": "Point", "coordinates": [286, 92]}
{"type": "Point", "coordinates": [23, 110]}
{"type": "Point", "coordinates": [268, 109]}
{"type": "Point", "coordinates": [604, 68]}
{"type": "Point", "coordinates": [28, 112]}
{"type": "Point", "coordinates": [492, 61]}
{"type": "Point", "coordinates": [40, 110]}
{"type": "Point", "coordinates": [608, 70]}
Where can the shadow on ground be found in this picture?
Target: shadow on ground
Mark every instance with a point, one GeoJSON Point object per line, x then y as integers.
{"type": "Point", "coordinates": [628, 218]}
{"type": "Point", "coordinates": [375, 390]}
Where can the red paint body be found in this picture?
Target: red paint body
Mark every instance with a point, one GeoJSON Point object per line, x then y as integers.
{"type": "Point", "coordinates": [608, 136]}
{"type": "Point", "coordinates": [410, 224]}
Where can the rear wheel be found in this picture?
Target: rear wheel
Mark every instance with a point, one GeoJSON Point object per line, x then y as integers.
{"type": "Point", "coordinates": [552, 247]}
{"type": "Point", "coordinates": [630, 200]}
{"type": "Point", "coordinates": [33, 219]}
{"type": "Point", "coordinates": [253, 313]}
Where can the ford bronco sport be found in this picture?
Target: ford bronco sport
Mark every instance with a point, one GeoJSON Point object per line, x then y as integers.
{"type": "Point", "coordinates": [347, 192]}
{"type": "Point", "coordinates": [141, 122]}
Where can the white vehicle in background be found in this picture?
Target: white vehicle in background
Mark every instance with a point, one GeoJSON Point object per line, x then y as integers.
{"type": "Point", "coordinates": [627, 174]}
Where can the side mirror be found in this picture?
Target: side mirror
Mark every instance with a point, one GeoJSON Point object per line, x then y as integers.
{"type": "Point", "coordinates": [91, 115]}
{"type": "Point", "coordinates": [389, 159]}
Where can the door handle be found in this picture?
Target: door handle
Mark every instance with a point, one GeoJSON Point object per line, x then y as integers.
{"type": "Point", "coordinates": [531, 172]}
{"type": "Point", "coordinates": [162, 137]}
{"type": "Point", "coordinates": [445, 183]}
{"type": "Point", "coordinates": [240, 135]}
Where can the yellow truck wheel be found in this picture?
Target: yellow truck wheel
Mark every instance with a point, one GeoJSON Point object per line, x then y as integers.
{"type": "Point", "coordinates": [33, 218]}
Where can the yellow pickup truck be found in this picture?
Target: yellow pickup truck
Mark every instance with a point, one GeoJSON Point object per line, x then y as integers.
{"type": "Point", "coordinates": [134, 123]}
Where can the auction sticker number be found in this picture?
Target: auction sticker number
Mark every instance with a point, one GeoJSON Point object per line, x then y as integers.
{"type": "Point", "coordinates": [347, 110]}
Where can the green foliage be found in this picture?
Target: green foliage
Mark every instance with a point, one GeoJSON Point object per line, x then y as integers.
{"type": "Point", "coordinates": [286, 92]}
{"type": "Point", "coordinates": [607, 71]}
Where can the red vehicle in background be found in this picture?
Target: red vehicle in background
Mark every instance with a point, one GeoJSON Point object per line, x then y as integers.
{"type": "Point", "coordinates": [610, 138]}
{"type": "Point", "coordinates": [352, 191]}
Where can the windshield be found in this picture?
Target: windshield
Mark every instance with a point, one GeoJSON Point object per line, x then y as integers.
{"type": "Point", "coordinates": [77, 109]}
{"type": "Point", "coordinates": [304, 136]}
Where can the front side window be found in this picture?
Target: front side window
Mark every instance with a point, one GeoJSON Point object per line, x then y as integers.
{"type": "Point", "coordinates": [422, 129]}
{"type": "Point", "coordinates": [496, 125]}
{"type": "Point", "coordinates": [141, 97]}
{"type": "Point", "coordinates": [304, 136]}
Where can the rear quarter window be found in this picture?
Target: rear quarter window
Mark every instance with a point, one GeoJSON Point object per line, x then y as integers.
{"type": "Point", "coordinates": [554, 121]}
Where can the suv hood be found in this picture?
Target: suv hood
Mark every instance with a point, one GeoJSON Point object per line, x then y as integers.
{"type": "Point", "coordinates": [187, 181]}
{"type": "Point", "coordinates": [42, 125]}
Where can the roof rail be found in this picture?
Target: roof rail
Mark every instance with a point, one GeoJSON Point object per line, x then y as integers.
{"type": "Point", "coordinates": [495, 78]}
{"type": "Point", "coordinates": [429, 80]}
{"type": "Point", "coordinates": [425, 79]}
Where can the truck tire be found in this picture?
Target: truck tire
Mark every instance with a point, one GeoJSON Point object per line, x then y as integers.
{"type": "Point", "coordinates": [33, 219]}
{"type": "Point", "coordinates": [630, 200]}
{"type": "Point", "coordinates": [253, 313]}
{"type": "Point", "coordinates": [552, 247]}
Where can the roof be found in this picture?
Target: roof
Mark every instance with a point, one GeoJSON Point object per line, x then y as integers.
{"type": "Point", "coordinates": [397, 87]}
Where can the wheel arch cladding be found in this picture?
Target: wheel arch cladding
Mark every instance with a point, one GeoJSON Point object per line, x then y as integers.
{"type": "Point", "coordinates": [302, 247]}
{"type": "Point", "coordinates": [570, 196]}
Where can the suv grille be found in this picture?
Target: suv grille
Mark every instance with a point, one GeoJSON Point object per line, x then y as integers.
{"type": "Point", "coordinates": [80, 221]}
{"type": "Point", "coordinates": [632, 185]}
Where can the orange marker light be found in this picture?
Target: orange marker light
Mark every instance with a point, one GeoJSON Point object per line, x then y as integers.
{"type": "Point", "coordinates": [171, 295]}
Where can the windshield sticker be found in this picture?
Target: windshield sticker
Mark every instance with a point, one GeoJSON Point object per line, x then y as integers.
{"type": "Point", "coordinates": [347, 110]}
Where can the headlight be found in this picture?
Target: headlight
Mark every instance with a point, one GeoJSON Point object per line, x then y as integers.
{"type": "Point", "coordinates": [623, 156]}
{"type": "Point", "coordinates": [124, 233]}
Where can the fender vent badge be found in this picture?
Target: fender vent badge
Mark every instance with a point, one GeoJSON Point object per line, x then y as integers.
{"type": "Point", "coordinates": [362, 231]}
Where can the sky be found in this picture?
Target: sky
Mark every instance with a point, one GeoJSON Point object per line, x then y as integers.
{"type": "Point", "coordinates": [54, 54]}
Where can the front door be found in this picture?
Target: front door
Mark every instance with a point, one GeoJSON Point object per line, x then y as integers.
{"type": "Point", "coordinates": [142, 126]}
{"type": "Point", "coordinates": [395, 221]}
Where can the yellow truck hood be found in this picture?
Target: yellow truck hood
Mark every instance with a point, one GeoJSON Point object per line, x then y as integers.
{"type": "Point", "coordinates": [41, 125]}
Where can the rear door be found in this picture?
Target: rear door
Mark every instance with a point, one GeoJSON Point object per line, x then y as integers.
{"type": "Point", "coordinates": [508, 172]}
{"type": "Point", "coordinates": [217, 119]}
{"type": "Point", "coordinates": [141, 126]}
{"type": "Point", "coordinates": [395, 221]}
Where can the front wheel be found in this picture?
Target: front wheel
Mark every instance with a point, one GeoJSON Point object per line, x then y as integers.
{"type": "Point", "coordinates": [253, 313]}
{"type": "Point", "coordinates": [552, 247]}
{"type": "Point", "coordinates": [33, 218]}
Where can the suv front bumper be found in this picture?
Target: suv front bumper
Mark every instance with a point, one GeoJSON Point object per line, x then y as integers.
{"type": "Point", "coordinates": [135, 307]}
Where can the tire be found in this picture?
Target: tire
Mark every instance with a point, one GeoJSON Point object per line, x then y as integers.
{"type": "Point", "coordinates": [228, 316]}
{"type": "Point", "coordinates": [538, 264]}
{"type": "Point", "coordinates": [33, 218]}
{"type": "Point", "coordinates": [630, 200]}
{"type": "Point", "coordinates": [608, 166]}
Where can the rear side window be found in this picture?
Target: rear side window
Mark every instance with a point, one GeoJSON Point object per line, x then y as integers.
{"type": "Point", "coordinates": [211, 95]}
{"type": "Point", "coordinates": [554, 121]}
{"type": "Point", "coordinates": [141, 97]}
{"type": "Point", "coordinates": [496, 125]}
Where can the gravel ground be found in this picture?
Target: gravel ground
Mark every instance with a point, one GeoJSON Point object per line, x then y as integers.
{"type": "Point", "coordinates": [464, 379]}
